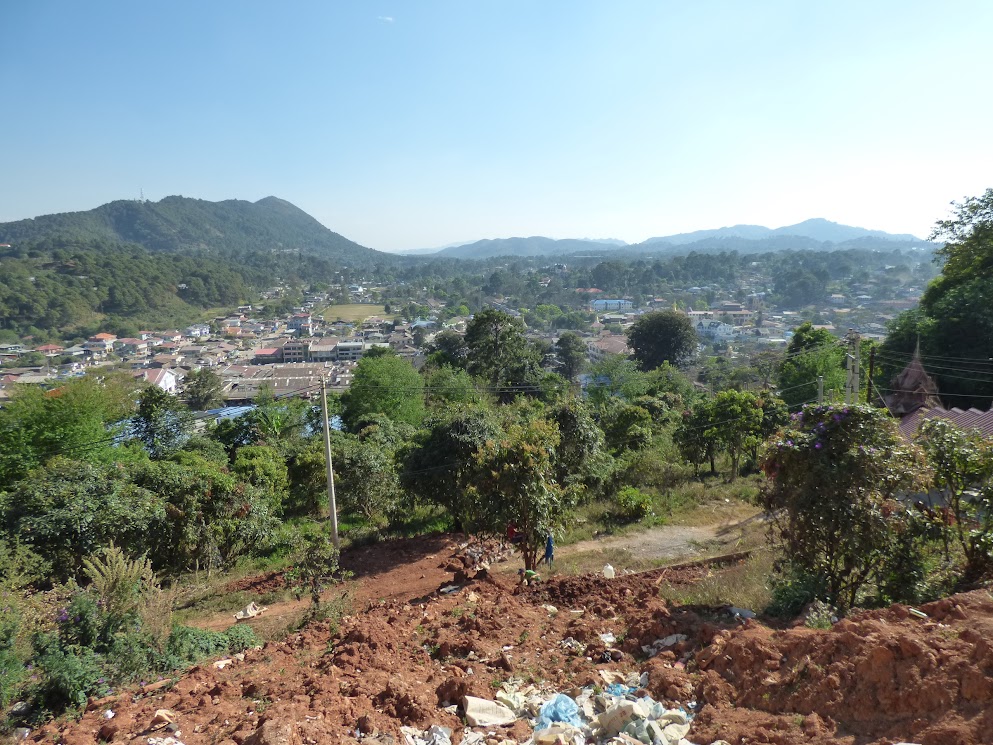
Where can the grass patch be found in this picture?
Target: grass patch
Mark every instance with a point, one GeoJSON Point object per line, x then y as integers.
{"type": "Point", "coordinates": [354, 312]}
{"type": "Point", "coordinates": [745, 585]}
{"type": "Point", "coordinates": [593, 561]}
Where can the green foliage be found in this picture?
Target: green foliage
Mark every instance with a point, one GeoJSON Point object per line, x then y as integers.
{"type": "Point", "coordinates": [792, 590]}
{"type": "Point", "coordinates": [499, 353]}
{"type": "Point", "coordinates": [74, 419]}
{"type": "Point", "coordinates": [119, 582]}
{"type": "Point", "coordinates": [662, 336]}
{"type": "Point", "coordinates": [384, 384]}
{"type": "Point", "coordinates": [161, 423]}
{"type": "Point", "coordinates": [633, 504]}
{"type": "Point", "coordinates": [317, 568]}
{"type": "Point", "coordinates": [955, 317]}
{"type": "Point", "coordinates": [962, 467]}
{"type": "Point", "coordinates": [572, 355]}
{"type": "Point", "coordinates": [446, 385]}
{"type": "Point", "coordinates": [440, 467]}
{"type": "Point", "coordinates": [264, 468]}
{"type": "Point", "coordinates": [366, 477]}
{"type": "Point", "coordinates": [737, 424]}
{"type": "Point", "coordinates": [812, 353]}
{"type": "Point", "coordinates": [516, 484]}
{"type": "Point", "coordinates": [202, 389]}
{"type": "Point", "coordinates": [70, 509]}
{"type": "Point", "coordinates": [834, 474]}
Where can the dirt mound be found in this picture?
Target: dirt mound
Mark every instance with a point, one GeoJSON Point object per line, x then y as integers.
{"type": "Point", "coordinates": [410, 654]}
{"type": "Point", "coordinates": [878, 676]}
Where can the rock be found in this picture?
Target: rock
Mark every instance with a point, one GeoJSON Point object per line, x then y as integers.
{"type": "Point", "coordinates": [274, 732]}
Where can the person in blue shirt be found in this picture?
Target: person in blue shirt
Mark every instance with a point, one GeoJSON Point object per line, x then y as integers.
{"type": "Point", "coordinates": [549, 551]}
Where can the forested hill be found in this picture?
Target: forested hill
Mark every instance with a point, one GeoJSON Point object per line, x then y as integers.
{"type": "Point", "coordinates": [183, 224]}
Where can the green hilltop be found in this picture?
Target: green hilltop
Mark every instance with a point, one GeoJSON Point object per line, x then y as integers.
{"type": "Point", "coordinates": [183, 224]}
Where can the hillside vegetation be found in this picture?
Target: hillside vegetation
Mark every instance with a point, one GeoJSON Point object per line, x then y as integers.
{"type": "Point", "coordinates": [180, 224]}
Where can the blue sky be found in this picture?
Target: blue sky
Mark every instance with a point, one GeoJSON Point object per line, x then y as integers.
{"type": "Point", "coordinates": [413, 124]}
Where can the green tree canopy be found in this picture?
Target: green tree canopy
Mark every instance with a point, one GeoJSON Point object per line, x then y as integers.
{"type": "Point", "coordinates": [572, 355]}
{"type": "Point", "coordinates": [833, 475]}
{"type": "Point", "coordinates": [384, 384]}
{"type": "Point", "coordinates": [663, 336]}
{"type": "Point", "coordinates": [202, 389]}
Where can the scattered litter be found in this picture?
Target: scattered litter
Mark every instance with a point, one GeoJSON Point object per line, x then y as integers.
{"type": "Point", "coordinates": [434, 735]}
{"type": "Point", "coordinates": [552, 610]}
{"type": "Point", "coordinates": [249, 611]}
{"type": "Point", "coordinates": [449, 589]}
{"type": "Point", "coordinates": [741, 612]}
{"type": "Point", "coordinates": [559, 734]}
{"type": "Point", "coordinates": [480, 712]}
{"type": "Point", "coordinates": [570, 643]}
{"type": "Point", "coordinates": [109, 714]}
{"type": "Point", "coordinates": [21, 733]}
{"type": "Point", "coordinates": [162, 718]}
{"type": "Point", "coordinates": [608, 571]}
{"type": "Point", "coordinates": [164, 741]}
{"type": "Point", "coordinates": [659, 644]}
{"type": "Point", "coordinates": [608, 638]}
{"type": "Point", "coordinates": [221, 664]}
{"type": "Point", "coordinates": [917, 613]}
{"type": "Point", "coordinates": [559, 709]}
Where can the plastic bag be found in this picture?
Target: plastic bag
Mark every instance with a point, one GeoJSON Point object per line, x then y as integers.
{"type": "Point", "coordinates": [608, 571]}
{"type": "Point", "coordinates": [559, 709]}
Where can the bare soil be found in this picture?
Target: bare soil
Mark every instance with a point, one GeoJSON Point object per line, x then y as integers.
{"type": "Point", "coordinates": [407, 651]}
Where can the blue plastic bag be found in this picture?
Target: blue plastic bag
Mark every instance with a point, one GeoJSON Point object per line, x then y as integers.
{"type": "Point", "coordinates": [618, 689]}
{"type": "Point", "coordinates": [559, 709]}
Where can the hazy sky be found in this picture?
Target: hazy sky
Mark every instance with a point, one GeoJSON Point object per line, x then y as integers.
{"type": "Point", "coordinates": [422, 123]}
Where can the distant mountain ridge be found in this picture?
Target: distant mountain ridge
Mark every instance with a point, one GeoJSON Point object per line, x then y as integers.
{"type": "Point", "coordinates": [533, 246]}
{"type": "Point", "coordinates": [178, 223]}
{"type": "Point", "coordinates": [816, 233]}
{"type": "Point", "coordinates": [816, 228]}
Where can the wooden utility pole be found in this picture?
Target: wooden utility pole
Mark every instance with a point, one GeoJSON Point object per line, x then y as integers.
{"type": "Point", "coordinates": [332, 506]}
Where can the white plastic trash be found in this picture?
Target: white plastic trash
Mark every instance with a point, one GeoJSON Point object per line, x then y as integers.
{"type": "Point", "coordinates": [608, 571]}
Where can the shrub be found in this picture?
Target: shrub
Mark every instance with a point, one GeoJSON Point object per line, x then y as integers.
{"type": "Point", "coordinates": [67, 678]}
{"type": "Point", "coordinates": [240, 637]}
{"type": "Point", "coordinates": [792, 590]}
{"type": "Point", "coordinates": [633, 504]}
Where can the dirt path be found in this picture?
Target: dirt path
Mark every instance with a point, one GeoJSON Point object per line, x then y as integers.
{"type": "Point", "coordinates": [663, 542]}
{"type": "Point", "coordinates": [414, 568]}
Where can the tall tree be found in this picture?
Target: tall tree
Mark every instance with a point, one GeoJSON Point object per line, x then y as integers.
{"type": "Point", "coordinates": [202, 389]}
{"type": "Point", "coordinates": [500, 353]}
{"type": "Point", "coordinates": [572, 354]}
{"type": "Point", "coordinates": [663, 336]}
{"type": "Point", "coordinates": [384, 384]}
{"type": "Point", "coordinates": [162, 424]}
{"type": "Point", "coordinates": [516, 484]}
{"type": "Point", "coordinates": [955, 318]}
{"type": "Point", "coordinates": [833, 477]}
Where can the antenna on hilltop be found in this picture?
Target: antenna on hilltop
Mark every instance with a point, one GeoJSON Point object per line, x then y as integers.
{"type": "Point", "coordinates": [142, 193]}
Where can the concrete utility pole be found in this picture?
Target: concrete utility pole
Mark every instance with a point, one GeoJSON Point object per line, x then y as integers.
{"type": "Point", "coordinates": [820, 389]}
{"type": "Point", "coordinates": [332, 506]}
{"type": "Point", "coordinates": [872, 370]}
{"type": "Point", "coordinates": [853, 362]}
